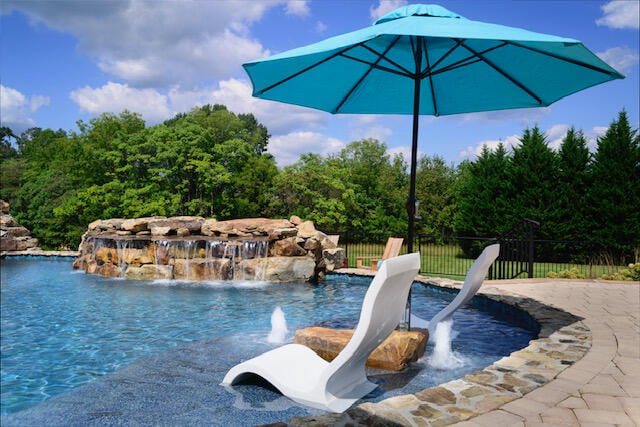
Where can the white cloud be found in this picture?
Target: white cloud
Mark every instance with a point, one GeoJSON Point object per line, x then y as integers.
{"type": "Point", "coordinates": [298, 8]}
{"type": "Point", "coordinates": [16, 108]}
{"type": "Point", "coordinates": [278, 117]}
{"type": "Point", "coordinates": [116, 97]}
{"type": "Point", "coordinates": [288, 148]}
{"type": "Point", "coordinates": [620, 58]}
{"type": "Point", "coordinates": [527, 116]}
{"type": "Point", "coordinates": [384, 7]}
{"type": "Point", "coordinates": [151, 43]}
{"type": "Point", "coordinates": [621, 14]}
{"type": "Point", "coordinates": [321, 27]}
{"type": "Point", "coordinates": [405, 151]}
{"type": "Point", "coordinates": [555, 134]}
{"type": "Point", "coordinates": [38, 101]}
{"type": "Point", "coordinates": [592, 136]}
{"type": "Point", "coordinates": [379, 132]}
{"type": "Point", "coordinates": [471, 152]}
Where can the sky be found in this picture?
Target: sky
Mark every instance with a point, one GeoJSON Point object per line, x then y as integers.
{"type": "Point", "coordinates": [67, 60]}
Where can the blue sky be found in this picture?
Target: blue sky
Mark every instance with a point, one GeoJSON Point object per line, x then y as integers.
{"type": "Point", "coordinates": [66, 60]}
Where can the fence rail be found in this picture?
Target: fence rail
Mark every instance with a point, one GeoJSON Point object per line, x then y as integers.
{"type": "Point", "coordinates": [447, 256]}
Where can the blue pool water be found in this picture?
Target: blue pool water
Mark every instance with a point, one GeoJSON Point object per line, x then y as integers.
{"type": "Point", "coordinates": [62, 328]}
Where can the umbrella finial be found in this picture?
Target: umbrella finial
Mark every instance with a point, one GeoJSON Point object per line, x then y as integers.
{"type": "Point", "coordinates": [433, 10]}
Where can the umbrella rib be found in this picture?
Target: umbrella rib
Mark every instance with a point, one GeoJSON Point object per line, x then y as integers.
{"type": "Point", "coordinates": [304, 70]}
{"type": "Point", "coordinates": [562, 58]}
{"type": "Point", "coordinates": [364, 75]}
{"type": "Point", "coordinates": [462, 62]}
{"type": "Point", "coordinates": [446, 55]}
{"type": "Point", "coordinates": [390, 61]}
{"type": "Point", "coordinates": [422, 44]}
{"type": "Point", "coordinates": [378, 66]}
{"type": "Point", "coordinates": [499, 70]}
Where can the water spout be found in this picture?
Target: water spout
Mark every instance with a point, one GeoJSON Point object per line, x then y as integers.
{"type": "Point", "coordinates": [442, 357]}
{"type": "Point", "coordinates": [278, 326]}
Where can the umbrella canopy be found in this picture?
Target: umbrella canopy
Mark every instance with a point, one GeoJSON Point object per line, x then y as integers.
{"type": "Point", "coordinates": [462, 65]}
{"type": "Point", "coordinates": [427, 60]}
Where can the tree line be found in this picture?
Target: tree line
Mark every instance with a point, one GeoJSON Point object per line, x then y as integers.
{"type": "Point", "coordinates": [211, 162]}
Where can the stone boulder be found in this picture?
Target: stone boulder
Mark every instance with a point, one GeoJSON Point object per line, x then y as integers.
{"type": "Point", "coordinates": [393, 354]}
{"type": "Point", "coordinates": [334, 259]}
{"type": "Point", "coordinates": [201, 269]}
{"type": "Point", "coordinates": [177, 224]}
{"type": "Point", "coordinates": [249, 227]}
{"type": "Point", "coordinates": [7, 221]}
{"type": "Point", "coordinates": [13, 236]}
{"type": "Point", "coordinates": [109, 225]}
{"type": "Point", "coordinates": [288, 247]}
{"type": "Point", "coordinates": [149, 272]}
{"type": "Point", "coordinates": [306, 230]}
{"type": "Point", "coordinates": [136, 225]}
{"type": "Point", "coordinates": [276, 269]}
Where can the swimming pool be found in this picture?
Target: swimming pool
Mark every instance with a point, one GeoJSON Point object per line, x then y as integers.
{"type": "Point", "coordinates": [62, 328]}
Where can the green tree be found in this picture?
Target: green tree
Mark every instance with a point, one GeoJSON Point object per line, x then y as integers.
{"type": "Point", "coordinates": [573, 187]}
{"type": "Point", "coordinates": [483, 193]}
{"type": "Point", "coordinates": [312, 189]}
{"type": "Point", "coordinates": [381, 183]}
{"type": "Point", "coordinates": [533, 179]}
{"type": "Point", "coordinates": [615, 193]}
{"type": "Point", "coordinates": [12, 165]}
{"type": "Point", "coordinates": [435, 191]}
{"type": "Point", "coordinates": [7, 150]}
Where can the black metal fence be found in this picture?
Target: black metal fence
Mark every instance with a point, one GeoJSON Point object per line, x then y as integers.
{"type": "Point", "coordinates": [449, 256]}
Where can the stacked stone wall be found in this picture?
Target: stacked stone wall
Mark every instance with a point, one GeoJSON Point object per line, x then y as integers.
{"type": "Point", "coordinates": [150, 248]}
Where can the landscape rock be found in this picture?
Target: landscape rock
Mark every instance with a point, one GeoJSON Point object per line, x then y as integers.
{"type": "Point", "coordinates": [13, 236]}
{"type": "Point", "coordinates": [138, 224]}
{"type": "Point", "coordinates": [306, 229]}
{"type": "Point", "coordinates": [149, 272]}
{"type": "Point", "coordinates": [393, 354]}
{"type": "Point", "coordinates": [276, 269]}
{"type": "Point", "coordinates": [289, 247]}
{"type": "Point", "coordinates": [192, 223]}
{"type": "Point", "coordinates": [334, 259]}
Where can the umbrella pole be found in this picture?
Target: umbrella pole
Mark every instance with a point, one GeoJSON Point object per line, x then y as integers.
{"type": "Point", "coordinates": [411, 201]}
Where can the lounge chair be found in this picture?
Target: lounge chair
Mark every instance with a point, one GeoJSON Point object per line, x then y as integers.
{"type": "Point", "coordinates": [472, 282]}
{"type": "Point", "coordinates": [392, 249]}
{"type": "Point", "coordinates": [303, 376]}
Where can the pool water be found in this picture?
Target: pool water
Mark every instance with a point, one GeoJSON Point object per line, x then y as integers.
{"type": "Point", "coordinates": [62, 328]}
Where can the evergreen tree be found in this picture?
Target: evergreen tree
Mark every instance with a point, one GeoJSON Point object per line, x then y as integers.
{"type": "Point", "coordinates": [483, 195]}
{"type": "Point", "coordinates": [574, 185]}
{"type": "Point", "coordinates": [533, 178]}
{"type": "Point", "coordinates": [615, 193]}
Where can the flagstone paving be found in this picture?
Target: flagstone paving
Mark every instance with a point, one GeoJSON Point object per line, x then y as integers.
{"type": "Point", "coordinates": [583, 370]}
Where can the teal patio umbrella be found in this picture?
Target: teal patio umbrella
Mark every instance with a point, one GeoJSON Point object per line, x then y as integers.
{"type": "Point", "coordinates": [427, 60]}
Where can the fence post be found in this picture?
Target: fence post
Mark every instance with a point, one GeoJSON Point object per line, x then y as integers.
{"type": "Point", "coordinates": [531, 249]}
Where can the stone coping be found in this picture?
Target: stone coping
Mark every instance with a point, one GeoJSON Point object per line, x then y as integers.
{"type": "Point", "coordinates": [563, 339]}
{"type": "Point", "coordinates": [40, 252]}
